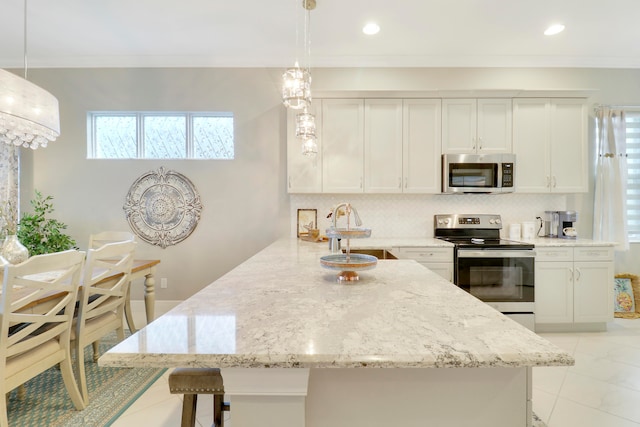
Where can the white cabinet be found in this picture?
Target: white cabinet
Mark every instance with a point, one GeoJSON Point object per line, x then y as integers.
{"type": "Point", "coordinates": [421, 147]}
{"type": "Point", "coordinates": [438, 260]}
{"type": "Point", "coordinates": [550, 143]}
{"type": "Point", "coordinates": [574, 285]}
{"type": "Point", "coordinates": [383, 146]}
{"type": "Point", "coordinates": [369, 145]}
{"type": "Point", "coordinates": [342, 145]}
{"type": "Point", "coordinates": [402, 146]}
{"type": "Point", "coordinates": [304, 174]}
{"type": "Point", "coordinates": [480, 126]}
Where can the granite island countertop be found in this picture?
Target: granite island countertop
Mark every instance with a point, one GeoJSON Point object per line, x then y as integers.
{"type": "Point", "coordinates": [280, 308]}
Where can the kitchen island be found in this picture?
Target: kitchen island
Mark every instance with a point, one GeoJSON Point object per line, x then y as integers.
{"type": "Point", "coordinates": [402, 346]}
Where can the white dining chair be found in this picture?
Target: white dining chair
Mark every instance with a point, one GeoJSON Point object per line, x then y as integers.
{"type": "Point", "coordinates": [102, 298]}
{"type": "Point", "coordinates": [102, 238]}
{"type": "Point", "coordinates": [36, 313]}
{"type": "Point", "coordinates": [98, 239]}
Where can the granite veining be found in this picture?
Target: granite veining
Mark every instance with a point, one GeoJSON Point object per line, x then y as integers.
{"type": "Point", "coordinates": [280, 308]}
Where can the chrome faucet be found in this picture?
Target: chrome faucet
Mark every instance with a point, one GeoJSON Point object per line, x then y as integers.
{"type": "Point", "coordinates": [334, 242]}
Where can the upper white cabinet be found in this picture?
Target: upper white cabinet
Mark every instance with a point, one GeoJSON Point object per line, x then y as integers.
{"type": "Point", "coordinates": [304, 174]}
{"type": "Point", "coordinates": [402, 145]}
{"type": "Point", "coordinates": [383, 146]}
{"type": "Point", "coordinates": [421, 146]}
{"type": "Point", "coordinates": [550, 143]}
{"type": "Point", "coordinates": [476, 126]}
{"type": "Point", "coordinates": [342, 145]}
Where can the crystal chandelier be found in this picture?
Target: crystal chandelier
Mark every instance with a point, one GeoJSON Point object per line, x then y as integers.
{"type": "Point", "coordinates": [296, 81]}
{"type": "Point", "coordinates": [306, 132]}
{"type": "Point", "coordinates": [296, 90]}
{"type": "Point", "coordinates": [28, 114]}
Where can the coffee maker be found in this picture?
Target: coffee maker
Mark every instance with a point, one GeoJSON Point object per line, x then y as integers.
{"type": "Point", "coordinates": [566, 228]}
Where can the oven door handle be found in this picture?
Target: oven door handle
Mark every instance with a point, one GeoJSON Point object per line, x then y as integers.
{"type": "Point", "coordinates": [517, 253]}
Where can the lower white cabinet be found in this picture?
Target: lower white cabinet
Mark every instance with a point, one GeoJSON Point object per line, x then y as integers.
{"type": "Point", "coordinates": [438, 260]}
{"type": "Point", "coordinates": [574, 285]}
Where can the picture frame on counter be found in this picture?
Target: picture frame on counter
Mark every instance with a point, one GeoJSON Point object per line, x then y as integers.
{"type": "Point", "coordinates": [307, 220]}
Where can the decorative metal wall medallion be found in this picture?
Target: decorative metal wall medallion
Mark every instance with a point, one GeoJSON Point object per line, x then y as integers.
{"type": "Point", "coordinates": [163, 208]}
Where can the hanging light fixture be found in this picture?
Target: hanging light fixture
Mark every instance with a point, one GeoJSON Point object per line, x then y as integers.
{"type": "Point", "coordinates": [306, 132]}
{"type": "Point", "coordinates": [296, 81]}
{"type": "Point", "coordinates": [29, 115]}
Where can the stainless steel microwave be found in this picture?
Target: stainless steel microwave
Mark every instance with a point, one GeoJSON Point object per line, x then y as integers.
{"type": "Point", "coordinates": [478, 173]}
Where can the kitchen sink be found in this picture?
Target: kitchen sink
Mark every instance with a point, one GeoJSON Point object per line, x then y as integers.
{"type": "Point", "coordinates": [378, 253]}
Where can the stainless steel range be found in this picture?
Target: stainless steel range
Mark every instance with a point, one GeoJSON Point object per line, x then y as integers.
{"type": "Point", "coordinates": [497, 271]}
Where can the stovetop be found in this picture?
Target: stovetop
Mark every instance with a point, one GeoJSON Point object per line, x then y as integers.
{"type": "Point", "coordinates": [484, 243]}
{"type": "Point", "coordinates": [477, 231]}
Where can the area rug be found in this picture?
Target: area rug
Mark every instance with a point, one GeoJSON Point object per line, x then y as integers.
{"type": "Point", "coordinates": [111, 392]}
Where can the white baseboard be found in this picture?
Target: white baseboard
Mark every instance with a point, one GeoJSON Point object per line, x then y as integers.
{"type": "Point", "coordinates": [139, 314]}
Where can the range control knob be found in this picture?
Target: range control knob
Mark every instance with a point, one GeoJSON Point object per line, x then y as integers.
{"type": "Point", "coordinates": [498, 221]}
{"type": "Point", "coordinates": [492, 221]}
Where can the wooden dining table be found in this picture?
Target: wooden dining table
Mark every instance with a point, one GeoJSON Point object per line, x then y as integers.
{"type": "Point", "coordinates": [142, 268]}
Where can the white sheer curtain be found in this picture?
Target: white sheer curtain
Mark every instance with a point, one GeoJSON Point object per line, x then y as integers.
{"type": "Point", "coordinates": [610, 203]}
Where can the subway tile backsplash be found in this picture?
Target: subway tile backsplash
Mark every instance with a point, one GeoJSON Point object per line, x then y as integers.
{"type": "Point", "coordinates": [411, 215]}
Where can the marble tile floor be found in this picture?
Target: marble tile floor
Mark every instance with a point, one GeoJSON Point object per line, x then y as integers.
{"type": "Point", "coordinates": [601, 390]}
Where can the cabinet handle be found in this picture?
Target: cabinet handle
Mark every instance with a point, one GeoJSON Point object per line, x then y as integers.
{"type": "Point", "coordinates": [548, 181]}
{"type": "Point", "coordinates": [289, 181]}
{"type": "Point", "coordinates": [554, 181]}
{"type": "Point", "coordinates": [360, 181]}
{"type": "Point", "coordinates": [571, 274]}
{"type": "Point", "coordinates": [406, 182]}
{"type": "Point", "coordinates": [473, 142]}
{"type": "Point", "coordinates": [480, 146]}
{"type": "Point", "coordinates": [579, 274]}
{"type": "Point", "coordinates": [399, 182]}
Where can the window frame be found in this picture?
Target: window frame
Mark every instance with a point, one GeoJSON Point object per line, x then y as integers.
{"type": "Point", "coordinates": [633, 232]}
{"type": "Point", "coordinates": [92, 147]}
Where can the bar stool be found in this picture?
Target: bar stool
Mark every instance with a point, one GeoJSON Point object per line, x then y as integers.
{"type": "Point", "coordinates": [194, 381]}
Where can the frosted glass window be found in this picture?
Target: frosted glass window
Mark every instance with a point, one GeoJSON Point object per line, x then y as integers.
{"type": "Point", "coordinates": [152, 135]}
{"type": "Point", "coordinates": [115, 137]}
{"type": "Point", "coordinates": [165, 137]}
{"type": "Point", "coordinates": [633, 177]}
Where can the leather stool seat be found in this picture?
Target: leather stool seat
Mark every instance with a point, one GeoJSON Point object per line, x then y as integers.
{"type": "Point", "coordinates": [194, 381]}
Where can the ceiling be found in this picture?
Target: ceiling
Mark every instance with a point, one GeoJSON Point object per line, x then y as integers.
{"type": "Point", "coordinates": [252, 33]}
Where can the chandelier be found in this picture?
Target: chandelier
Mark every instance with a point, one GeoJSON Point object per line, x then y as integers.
{"type": "Point", "coordinates": [28, 114]}
{"type": "Point", "coordinates": [306, 132]}
{"type": "Point", "coordinates": [296, 89]}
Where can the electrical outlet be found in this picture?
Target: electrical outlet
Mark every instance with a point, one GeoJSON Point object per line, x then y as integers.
{"type": "Point", "coordinates": [163, 283]}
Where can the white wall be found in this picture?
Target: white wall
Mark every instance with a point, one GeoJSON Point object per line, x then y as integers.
{"type": "Point", "coordinates": [245, 204]}
{"type": "Point", "coordinates": [245, 201]}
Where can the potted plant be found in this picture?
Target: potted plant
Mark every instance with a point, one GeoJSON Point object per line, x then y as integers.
{"type": "Point", "coordinates": [40, 233]}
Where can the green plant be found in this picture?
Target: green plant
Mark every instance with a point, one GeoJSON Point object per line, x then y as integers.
{"type": "Point", "coordinates": [40, 234]}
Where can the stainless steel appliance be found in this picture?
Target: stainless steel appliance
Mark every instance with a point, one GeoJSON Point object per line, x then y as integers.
{"type": "Point", "coordinates": [566, 227]}
{"type": "Point", "coordinates": [478, 173]}
{"type": "Point", "coordinates": [497, 271]}
{"type": "Point", "coordinates": [559, 224]}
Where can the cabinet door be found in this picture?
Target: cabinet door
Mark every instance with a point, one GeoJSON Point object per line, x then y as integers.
{"type": "Point", "coordinates": [531, 145]}
{"type": "Point", "coordinates": [593, 291]}
{"type": "Point", "coordinates": [304, 174]}
{"type": "Point", "coordinates": [459, 117]}
{"type": "Point", "coordinates": [442, 269]}
{"type": "Point", "coordinates": [554, 292]}
{"type": "Point", "coordinates": [383, 146]}
{"type": "Point", "coordinates": [422, 147]}
{"type": "Point", "coordinates": [342, 145]}
{"type": "Point", "coordinates": [568, 146]}
{"type": "Point", "coordinates": [494, 126]}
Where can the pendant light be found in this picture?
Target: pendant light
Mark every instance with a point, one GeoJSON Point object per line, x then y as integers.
{"type": "Point", "coordinates": [306, 132]}
{"type": "Point", "coordinates": [29, 115]}
{"type": "Point", "coordinates": [296, 81]}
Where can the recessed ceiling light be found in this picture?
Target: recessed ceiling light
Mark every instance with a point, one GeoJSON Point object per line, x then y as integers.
{"type": "Point", "coordinates": [371, 28]}
{"type": "Point", "coordinates": [554, 29]}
